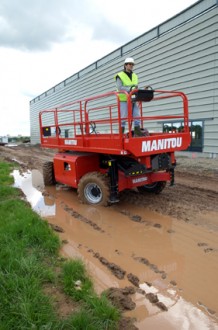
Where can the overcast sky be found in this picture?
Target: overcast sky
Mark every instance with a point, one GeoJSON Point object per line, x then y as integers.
{"type": "Point", "coordinates": [42, 42]}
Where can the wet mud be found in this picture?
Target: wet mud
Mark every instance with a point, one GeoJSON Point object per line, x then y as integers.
{"type": "Point", "coordinates": [167, 262]}
{"type": "Point", "coordinates": [155, 256]}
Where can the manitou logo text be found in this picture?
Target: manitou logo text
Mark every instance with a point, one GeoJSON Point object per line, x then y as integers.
{"type": "Point", "coordinates": [161, 144]}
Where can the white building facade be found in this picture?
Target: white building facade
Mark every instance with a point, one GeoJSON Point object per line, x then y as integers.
{"type": "Point", "coordinates": [179, 54]}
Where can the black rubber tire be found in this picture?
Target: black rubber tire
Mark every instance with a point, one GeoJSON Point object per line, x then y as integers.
{"type": "Point", "coordinates": [48, 173]}
{"type": "Point", "coordinates": [155, 187]}
{"type": "Point", "coordinates": [94, 189]}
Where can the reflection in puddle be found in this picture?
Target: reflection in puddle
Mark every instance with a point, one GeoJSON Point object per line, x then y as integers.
{"type": "Point", "coordinates": [169, 257]}
{"type": "Point", "coordinates": [180, 315]}
{"type": "Point", "coordinates": [31, 183]}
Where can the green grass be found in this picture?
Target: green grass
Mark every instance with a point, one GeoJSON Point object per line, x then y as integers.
{"type": "Point", "coordinates": [6, 191]}
{"type": "Point", "coordinates": [100, 308]}
{"type": "Point", "coordinates": [29, 260]}
{"type": "Point", "coordinates": [5, 170]}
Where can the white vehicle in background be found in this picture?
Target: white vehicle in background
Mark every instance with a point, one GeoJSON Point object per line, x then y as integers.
{"type": "Point", "coordinates": [3, 140]}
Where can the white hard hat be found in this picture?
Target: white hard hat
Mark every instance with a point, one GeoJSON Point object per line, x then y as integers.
{"type": "Point", "coordinates": [129, 60]}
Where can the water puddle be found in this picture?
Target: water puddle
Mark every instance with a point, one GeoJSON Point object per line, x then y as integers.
{"type": "Point", "coordinates": [32, 185]}
{"type": "Point", "coordinates": [172, 265]}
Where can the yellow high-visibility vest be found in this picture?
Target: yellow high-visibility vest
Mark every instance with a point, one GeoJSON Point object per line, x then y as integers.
{"type": "Point", "coordinates": [126, 81]}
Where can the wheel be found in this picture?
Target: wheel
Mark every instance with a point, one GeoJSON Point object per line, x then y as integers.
{"type": "Point", "coordinates": [93, 188]}
{"type": "Point", "coordinates": [48, 173]}
{"type": "Point", "coordinates": [155, 187]}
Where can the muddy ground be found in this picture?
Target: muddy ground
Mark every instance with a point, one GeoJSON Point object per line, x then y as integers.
{"type": "Point", "coordinates": [155, 255]}
{"type": "Point", "coordinates": [194, 193]}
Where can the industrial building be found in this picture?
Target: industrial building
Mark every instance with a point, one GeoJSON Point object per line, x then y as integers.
{"type": "Point", "coordinates": [179, 54]}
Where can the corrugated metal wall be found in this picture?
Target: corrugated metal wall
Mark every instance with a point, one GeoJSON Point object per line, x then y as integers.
{"type": "Point", "coordinates": [180, 54]}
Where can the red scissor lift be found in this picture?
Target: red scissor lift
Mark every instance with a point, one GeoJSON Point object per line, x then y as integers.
{"type": "Point", "coordinates": [99, 160]}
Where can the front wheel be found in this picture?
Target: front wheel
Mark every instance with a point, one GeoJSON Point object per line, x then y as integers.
{"type": "Point", "coordinates": [155, 187]}
{"type": "Point", "coordinates": [93, 188]}
{"type": "Point", "coordinates": [48, 173]}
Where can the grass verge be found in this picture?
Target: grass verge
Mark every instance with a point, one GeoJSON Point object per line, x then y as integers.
{"type": "Point", "coordinates": [33, 277]}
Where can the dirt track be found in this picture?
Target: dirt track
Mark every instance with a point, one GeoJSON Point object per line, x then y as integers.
{"type": "Point", "coordinates": [160, 251]}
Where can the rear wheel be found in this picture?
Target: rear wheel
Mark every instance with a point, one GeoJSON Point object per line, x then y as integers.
{"type": "Point", "coordinates": [48, 173]}
{"type": "Point", "coordinates": [94, 189]}
{"type": "Point", "coordinates": [155, 187]}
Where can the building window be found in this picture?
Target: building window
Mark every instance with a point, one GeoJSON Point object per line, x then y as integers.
{"type": "Point", "coordinates": [196, 131]}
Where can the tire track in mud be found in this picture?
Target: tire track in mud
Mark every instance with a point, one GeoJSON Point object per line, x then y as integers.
{"type": "Point", "coordinates": [115, 269]}
{"type": "Point", "coordinates": [121, 273]}
{"type": "Point", "coordinates": [180, 202]}
{"type": "Point", "coordinates": [80, 217]}
{"type": "Point", "coordinates": [118, 271]}
{"type": "Point", "coordinates": [121, 297]}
